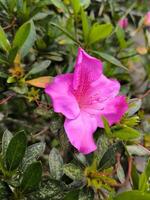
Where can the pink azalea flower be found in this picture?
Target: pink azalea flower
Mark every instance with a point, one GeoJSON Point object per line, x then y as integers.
{"type": "Point", "coordinates": [83, 97]}
{"type": "Point", "coordinates": [123, 23]}
{"type": "Point", "coordinates": [147, 19]}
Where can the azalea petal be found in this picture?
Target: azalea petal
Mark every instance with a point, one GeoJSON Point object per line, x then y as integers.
{"type": "Point", "coordinates": [99, 93]}
{"type": "Point", "coordinates": [87, 70]}
{"type": "Point", "coordinates": [63, 100]}
{"type": "Point", "coordinates": [114, 110]}
{"type": "Point", "coordinates": [80, 132]}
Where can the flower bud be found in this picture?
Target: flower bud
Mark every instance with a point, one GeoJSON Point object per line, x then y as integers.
{"type": "Point", "coordinates": [123, 23]}
{"type": "Point", "coordinates": [147, 19]}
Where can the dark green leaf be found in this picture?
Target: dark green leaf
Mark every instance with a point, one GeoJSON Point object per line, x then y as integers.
{"type": "Point", "coordinates": [7, 136]}
{"type": "Point", "coordinates": [135, 177]}
{"type": "Point", "coordinates": [15, 151]}
{"type": "Point", "coordinates": [5, 192]}
{"type": "Point", "coordinates": [31, 177]}
{"type": "Point", "coordinates": [109, 158]}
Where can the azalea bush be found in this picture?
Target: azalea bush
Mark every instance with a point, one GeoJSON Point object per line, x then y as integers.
{"type": "Point", "coordinates": [74, 100]}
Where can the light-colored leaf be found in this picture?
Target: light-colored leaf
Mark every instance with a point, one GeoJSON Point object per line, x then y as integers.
{"type": "Point", "coordinates": [73, 171]}
{"type": "Point", "coordinates": [7, 136]}
{"type": "Point", "coordinates": [134, 106]}
{"type": "Point", "coordinates": [32, 153]}
{"type": "Point", "coordinates": [120, 173]}
{"type": "Point", "coordinates": [99, 32]}
{"type": "Point", "coordinates": [40, 82]}
{"type": "Point", "coordinates": [137, 150]}
{"type": "Point", "coordinates": [4, 43]}
{"type": "Point", "coordinates": [39, 67]}
{"type": "Point", "coordinates": [126, 133]}
{"type": "Point", "coordinates": [55, 164]}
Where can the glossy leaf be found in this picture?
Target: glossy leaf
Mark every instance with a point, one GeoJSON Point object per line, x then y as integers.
{"type": "Point", "coordinates": [24, 38]}
{"type": "Point", "coordinates": [109, 157]}
{"type": "Point", "coordinates": [15, 151]}
{"type": "Point", "coordinates": [99, 32]}
{"type": "Point", "coordinates": [126, 133]}
{"type": "Point", "coordinates": [7, 136]}
{"type": "Point", "coordinates": [31, 177]}
{"type": "Point", "coordinates": [4, 43]}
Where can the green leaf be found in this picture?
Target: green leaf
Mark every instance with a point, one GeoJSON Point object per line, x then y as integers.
{"type": "Point", "coordinates": [135, 177]}
{"type": "Point", "coordinates": [25, 37]}
{"type": "Point", "coordinates": [4, 43]}
{"type": "Point", "coordinates": [7, 136]}
{"type": "Point", "coordinates": [138, 150]}
{"type": "Point", "coordinates": [12, 55]}
{"type": "Point", "coordinates": [31, 177]}
{"type": "Point", "coordinates": [121, 37]}
{"type": "Point", "coordinates": [99, 32]}
{"type": "Point", "coordinates": [76, 6]}
{"type": "Point", "coordinates": [59, 4]}
{"type": "Point", "coordinates": [72, 195]}
{"type": "Point", "coordinates": [15, 151]}
{"type": "Point", "coordinates": [73, 171]}
{"type": "Point", "coordinates": [65, 32]}
{"type": "Point", "coordinates": [85, 25]}
{"type": "Point", "coordinates": [130, 195]}
{"type": "Point", "coordinates": [102, 146]}
{"type": "Point", "coordinates": [106, 126]}
{"type": "Point", "coordinates": [110, 59]}
{"type": "Point", "coordinates": [144, 179]}
{"type": "Point", "coordinates": [55, 164]}
{"type": "Point", "coordinates": [39, 67]}
{"type": "Point", "coordinates": [32, 153]}
{"type": "Point", "coordinates": [109, 157]}
{"type": "Point", "coordinates": [85, 3]}
{"type": "Point", "coordinates": [11, 4]}
{"type": "Point", "coordinates": [126, 133]}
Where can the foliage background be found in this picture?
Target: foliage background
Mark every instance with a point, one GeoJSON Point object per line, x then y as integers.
{"type": "Point", "coordinates": [40, 39]}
